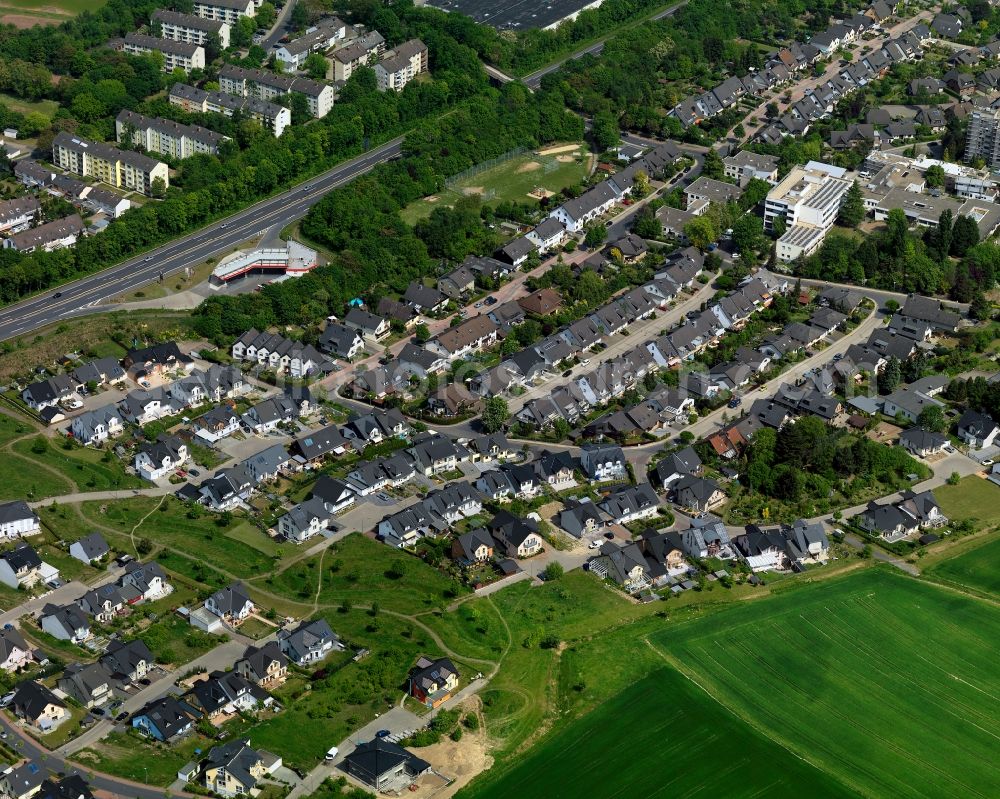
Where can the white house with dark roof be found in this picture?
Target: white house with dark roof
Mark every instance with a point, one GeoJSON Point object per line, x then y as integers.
{"type": "Point", "coordinates": [90, 548]}
{"type": "Point", "coordinates": [159, 458]}
{"type": "Point", "coordinates": [17, 519]}
{"type": "Point", "coordinates": [232, 604]}
{"type": "Point", "coordinates": [308, 643]}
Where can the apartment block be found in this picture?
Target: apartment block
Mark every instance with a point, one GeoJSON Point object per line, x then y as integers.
{"type": "Point", "coordinates": [401, 65]}
{"type": "Point", "coordinates": [982, 138]}
{"type": "Point", "coordinates": [269, 86]}
{"type": "Point", "coordinates": [270, 115]}
{"type": "Point", "coordinates": [317, 39]}
{"type": "Point", "coordinates": [361, 52]}
{"type": "Point", "coordinates": [190, 28]}
{"type": "Point", "coordinates": [119, 168]}
{"type": "Point", "coordinates": [164, 136]}
{"type": "Point", "coordinates": [228, 11]}
{"type": "Point", "coordinates": [808, 201]}
{"type": "Point", "coordinates": [175, 54]}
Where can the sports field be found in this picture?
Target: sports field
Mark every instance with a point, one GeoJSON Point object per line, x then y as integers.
{"type": "Point", "coordinates": [524, 178]}
{"type": "Point", "coordinates": [662, 737]}
{"type": "Point", "coordinates": [885, 683]}
{"type": "Point", "coordinates": [977, 567]}
{"type": "Point", "coordinates": [25, 13]}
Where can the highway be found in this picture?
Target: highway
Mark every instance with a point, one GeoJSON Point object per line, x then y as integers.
{"type": "Point", "coordinates": [534, 79]}
{"type": "Point", "coordinates": [81, 297]}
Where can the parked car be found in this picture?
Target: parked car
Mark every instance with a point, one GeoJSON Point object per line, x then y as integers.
{"type": "Point", "coordinates": [383, 734]}
{"type": "Point", "coordinates": [735, 402]}
{"type": "Point", "coordinates": [332, 753]}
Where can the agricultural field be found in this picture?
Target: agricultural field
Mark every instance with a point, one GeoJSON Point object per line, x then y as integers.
{"type": "Point", "coordinates": [26, 13]}
{"type": "Point", "coordinates": [883, 682]}
{"type": "Point", "coordinates": [972, 498]}
{"type": "Point", "coordinates": [524, 178]}
{"type": "Point", "coordinates": [661, 737]}
{"type": "Point", "coordinates": [976, 567]}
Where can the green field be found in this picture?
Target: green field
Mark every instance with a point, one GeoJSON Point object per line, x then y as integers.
{"type": "Point", "coordinates": [883, 682]}
{"type": "Point", "coordinates": [977, 567]}
{"type": "Point", "coordinates": [662, 737]}
{"type": "Point", "coordinates": [511, 180]}
{"type": "Point", "coordinates": [46, 108]}
{"type": "Point", "coordinates": [25, 13]}
{"type": "Point", "coordinates": [972, 498]}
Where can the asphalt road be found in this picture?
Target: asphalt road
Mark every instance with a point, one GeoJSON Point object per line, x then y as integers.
{"type": "Point", "coordinates": [534, 79]}
{"type": "Point", "coordinates": [81, 297]}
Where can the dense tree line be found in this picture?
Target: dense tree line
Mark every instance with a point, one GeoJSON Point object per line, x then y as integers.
{"type": "Point", "coordinates": [809, 458]}
{"type": "Point", "coordinates": [376, 252]}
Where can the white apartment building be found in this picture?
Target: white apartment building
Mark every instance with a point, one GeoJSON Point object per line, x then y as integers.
{"type": "Point", "coordinates": [165, 136]}
{"type": "Point", "coordinates": [359, 53]}
{"type": "Point", "coordinates": [190, 28]}
{"type": "Point", "coordinates": [120, 168]}
{"type": "Point", "coordinates": [269, 85]}
{"type": "Point", "coordinates": [228, 11]}
{"type": "Point", "coordinates": [272, 116]}
{"type": "Point", "coordinates": [401, 65]}
{"type": "Point", "coordinates": [175, 54]}
{"type": "Point", "coordinates": [808, 200]}
{"type": "Point", "coordinates": [317, 39]}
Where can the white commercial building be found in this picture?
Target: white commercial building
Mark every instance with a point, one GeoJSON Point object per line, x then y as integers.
{"type": "Point", "coordinates": [808, 201]}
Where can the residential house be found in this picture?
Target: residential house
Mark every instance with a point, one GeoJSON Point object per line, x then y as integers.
{"type": "Point", "coordinates": [465, 338]}
{"type": "Point", "coordinates": [432, 682]}
{"type": "Point", "coordinates": [547, 235]}
{"type": "Point", "coordinates": [601, 463]}
{"type": "Point", "coordinates": [224, 693]}
{"type": "Point", "coordinates": [541, 303]}
{"type": "Point", "coordinates": [762, 549]}
{"type": "Point", "coordinates": [128, 662]}
{"type": "Point", "coordinates": [624, 565]}
{"type": "Point", "coordinates": [458, 283]}
{"type": "Point", "coordinates": [308, 643]}
{"type": "Point", "coordinates": [66, 623]}
{"type": "Point", "coordinates": [15, 654]}
{"type": "Point", "coordinates": [166, 719]}
{"type": "Point", "coordinates": [367, 324]}
{"type": "Point", "coordinates": [895, 520]}
{"type": "Point", "coordinates": [93, 428]}
{"type": "Point", "coordinates": [90, 684]}
{"type": "Point", "coordinates": [89, 549]}
{"type": "Point", "coordinates": [103, 603]}
{"type": "Point", "coordinates": [676, 465]}
{"type": "Point", "coordinates": [216, 424]}
{"type": "Point", "coordinates": [977, 429]}
{"type": "Point", "coordinates": [306, 520]}
{"type": "Point", "coordinates": [631, 503]}
{"type": "Point", "coordinates": [232, 604]}
{"type": "Point", "coordinates": [922, 443]}
{"type": "Point", "coordinates": [36, 705]}
{"type": "Point", "coordinates": [235, 768]}
{"type": "Point", "coordinates": [145, 582]}
{"type": "Point", "coordinates": [475, 546]}
{"type": "Point", "coordinates": [698, 493]}
{"type": "Point", "coordinates": [157, 459]}
{"type": "Point", "coordinates": [518, 538]}
{"type": "Point", "coordinates": [49, 392]}
{"type": "Point", "coordinates": [22, 567]}
{"type": "Point", "coordinates": [382, 764]}
{"type": "Point", "coordinates": [581, 518]}
{"type": "Point", "coordinates": [265, 666]}
{"type": "Point", "coordinates": [340, 340]}
{"type": "Point", "coordinates": [423, 299]}
{"type": "Point", "coordinates": [17, 520]}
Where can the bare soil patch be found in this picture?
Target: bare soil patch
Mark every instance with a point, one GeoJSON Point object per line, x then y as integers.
{"type": "Point", "coordinates": [528, 166]}
{"type": "Point", "coordinates": [560, 148]}
{"type": "Point", "coordinates": [458, 760]}
{"type": "Point", "coordinates": [566, 159]}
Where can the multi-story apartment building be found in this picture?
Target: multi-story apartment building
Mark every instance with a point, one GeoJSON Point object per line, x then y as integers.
{"type": "Point", "coordinates": [808, 201]}
{"type": "Point", "coordinates": [119, 168]}
{"type": "Point", "coordinates": [165, 136]}
{"type": "Point", "coordinates": [175, 54]}
{"type": "Point", "coordinates": [318, 39]}
{"type": "Point", "coordinates": [228, 11]}
{"type": "Point", "coordinates": [272, 116]}
{"type": "Point", "coordinates": [401, 65]}
{"type": "Point", "coordinates": [190, 28]}
{"type": "Point", "coordinates": [982, 138]}
{"type": "Point", "coordinates": [269, 85]}
{"type": "Point", "coordinates": [361, 52]}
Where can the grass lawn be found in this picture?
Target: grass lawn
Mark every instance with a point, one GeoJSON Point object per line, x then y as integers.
{"type": "Point", "coordinates": [510, 181]}
{"type": "Point", "coordinates": [662, 737]}
{"type": "Point", "coordinates": [361, 571]}
{"type": "Point", "coordinates": [172, 640]}
{"type": "Point", "coordinates": [976, 567]}
{"type": "Point", "coordinates": [256, 629]}
{"type": "Point", "coordinates": [882, 681]}
{"type": "Point", "coordinates": [85, 468]}
{"type": "Point", "coordinates": [131, 756]}
{"type": "Point", "coordinates": [46, 108]}
{"type": "Point", "coordinates": [972, 498]}
{"type": "Point", "coordinates": [70, 728]}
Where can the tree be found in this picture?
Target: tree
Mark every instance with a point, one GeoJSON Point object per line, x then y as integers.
{"type": "Point", "coordinates": [701, 232]}
{"type": "Point", "coordinates": [852, 209]}
{"type": "Point", "coordinates": [932, 418]}
{"type": "Point", "coordinates": [980, 307]}
{"type": "Point", "coordinates": [158, 188]}
{"type": "Point", "coordinates": [316, 66]}
{"type": "Point", "coordinates": [712, 167]}
{"type": "Point", "coordinates": [605, 130]}
{"type": "Point", "coordinates": [495, 414]}
{"type": "Point", "coordinates": [890, 377]}
{"type": "Point", "coordinates": [964, 236]}
{"type": "Point", "coordinates": [596, 234]}
{"type": "Point", "coordinates": [553, 571]}
{"type": "Point", "coordinates": [934, 176]}
{"type": "Point", "coordinates": [640, 186]}
{"type": "Point", "coordinates": [646, 224]}
{"type": "Point", "coordinates": [422, 333]}
{"type": "Point", "coordinates": [748, 236]}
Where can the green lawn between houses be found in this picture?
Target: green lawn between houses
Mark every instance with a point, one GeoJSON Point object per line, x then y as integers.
{"type": "Point", "coordinates": [972, 498]}
{"type": "Point", "coordinates": [977, 567]}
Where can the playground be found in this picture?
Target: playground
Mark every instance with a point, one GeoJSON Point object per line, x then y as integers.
{"type": "Point", "coordinates": [518, 176]}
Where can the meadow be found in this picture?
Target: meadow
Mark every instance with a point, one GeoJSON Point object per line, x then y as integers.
{"type": "Point", "coordinates": [971, 498]}
{"type": "Point", "coordinates": [25, 13]}
{"type": "Point", "coordinates": [883, 682]}
{"type": "Point", "coordinates": [661, 737]}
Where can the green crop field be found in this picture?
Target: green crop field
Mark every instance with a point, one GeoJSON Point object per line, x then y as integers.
{"type": "Point", "coordinates": [662, 737]}
{"type": "Point", "coordinates": [977, 567]}
{"type": "Point", "coordinates": [886, 683]}
{"type": "Point", "coordinates": [511, 180]}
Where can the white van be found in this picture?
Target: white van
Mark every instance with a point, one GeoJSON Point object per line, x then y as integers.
{"type": "Point", "coordinates": [332, 754]}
